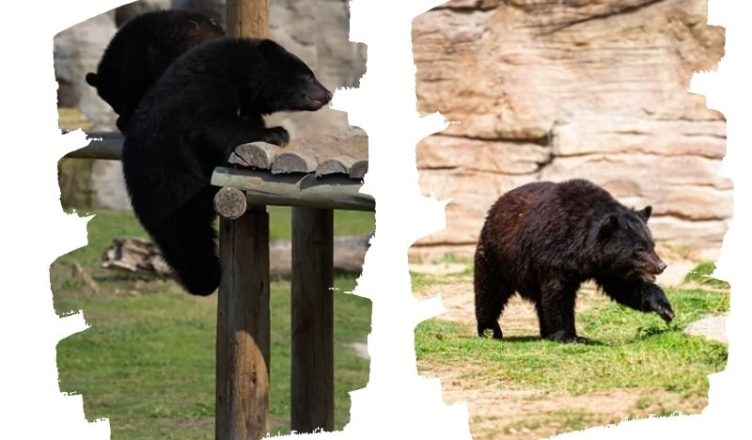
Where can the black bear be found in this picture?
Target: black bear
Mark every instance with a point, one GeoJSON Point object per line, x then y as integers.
{"type": "Point", "coordinates": [188, 123]}
{"type": "Point", "coordinates": [543, 239]}
{"type": "Point", "coordinates": [141, 51]}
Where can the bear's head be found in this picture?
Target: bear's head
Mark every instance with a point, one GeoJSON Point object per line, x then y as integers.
{"type": "Point", "coordinates": [624, 246]}
{"type": "Point", "coordinates": [289, 84]}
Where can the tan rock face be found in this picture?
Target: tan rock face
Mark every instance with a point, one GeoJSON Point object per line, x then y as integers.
{"type": "Point", "coordinates": [593, 89]}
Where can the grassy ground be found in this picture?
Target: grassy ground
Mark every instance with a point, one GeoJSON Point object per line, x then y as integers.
{"type": "Point", "coordinates": [634, 364]}
{"type": "Point", "coordinates": [147, 362]}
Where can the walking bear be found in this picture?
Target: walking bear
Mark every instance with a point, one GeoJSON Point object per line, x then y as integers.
{"type": "Point", "coordinates": [188, 123]}
{"type": "Point", "coordinates": [141, 51]}
{"type": "Point", "coordinates": [543, 239]}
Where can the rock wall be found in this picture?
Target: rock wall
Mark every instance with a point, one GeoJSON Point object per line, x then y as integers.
{"type": "Point", "coordinates": [595, 89]}
{"type": "Point", "coordinates": [315, 30]}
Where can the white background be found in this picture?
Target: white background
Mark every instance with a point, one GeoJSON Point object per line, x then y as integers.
{"type": "Point", "coordinates": [397, 403]}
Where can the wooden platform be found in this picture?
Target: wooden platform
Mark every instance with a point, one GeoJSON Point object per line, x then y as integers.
{"type": "Point", "coordinates": [346, 154]}
{"type": "Point", "coordinates": [314, 177]}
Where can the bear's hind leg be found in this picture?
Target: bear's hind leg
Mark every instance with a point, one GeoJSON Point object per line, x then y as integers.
{"type": "Point", "coordinates": [491, 295]}
{"type": "Point", "coordinates": [186, 239]}
{"type": "Point", "coordinates": [557, 310]}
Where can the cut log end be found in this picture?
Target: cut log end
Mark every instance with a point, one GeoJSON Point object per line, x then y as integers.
{"type": "Point", "coordinates": [294, 162]}
{"type": "Point", "coordinates": [359, 169]}
{"type": "Point", "coordinates": [258, 155]}
{"type": "Point", "coordinates": [230, 203]}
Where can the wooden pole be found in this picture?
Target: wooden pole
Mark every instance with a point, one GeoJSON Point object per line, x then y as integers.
{"type": "Point", "coordinates": [242, 386]}
{"type": "Point", "coordinates": [312, 374]}
{"type": "Point", "coordinates": [248, 18]}
{"type": "Point", "coordinates": [243, 328]}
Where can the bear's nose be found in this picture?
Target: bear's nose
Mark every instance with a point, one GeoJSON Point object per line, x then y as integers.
{"type": "Point", "coordinates": [661, 267]}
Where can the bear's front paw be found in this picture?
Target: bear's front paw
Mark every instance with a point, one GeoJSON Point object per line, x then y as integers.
{"type": "Point", "coordinates": [277, 136]}
{"type": "Point", "coordinates": [655, 300]}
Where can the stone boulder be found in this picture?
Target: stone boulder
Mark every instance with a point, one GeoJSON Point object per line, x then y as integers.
{"type": "Point", "coordinates": [593, 89]}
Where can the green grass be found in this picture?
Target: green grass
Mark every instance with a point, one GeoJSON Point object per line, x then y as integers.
{"type": "Point", "coordinates": [147, 362]}
{"type": "Point", "coordinates": [702, 274]}
{"type": "Point", "coordinates": [626, 350]}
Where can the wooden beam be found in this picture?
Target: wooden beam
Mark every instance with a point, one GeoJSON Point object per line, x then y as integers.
{"type": "Point", "coordinates": [248, 18]}
{"type": "Point", "coordinates": [243, 328]}
{"type": "Point", "coordinates": [306, 190]}
{"type": "Point", "coordinates": [312, 371]}
{"type": "Point", "coordinates": [104, 145]}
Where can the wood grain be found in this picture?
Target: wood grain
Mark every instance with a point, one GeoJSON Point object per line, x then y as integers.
{"type": "Point", "coordinates": [312, 375]}
{"type": "Point", "coordinates": [243, 328]}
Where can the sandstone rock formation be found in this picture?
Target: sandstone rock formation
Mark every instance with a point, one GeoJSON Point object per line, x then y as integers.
{"type": "Point", "coordinates": [595, 89]}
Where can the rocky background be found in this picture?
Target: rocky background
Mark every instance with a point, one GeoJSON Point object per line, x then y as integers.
{"type": "Point", "coordinates": [552, 90]}
{"type": "Point", "coordinates": [315, 30]}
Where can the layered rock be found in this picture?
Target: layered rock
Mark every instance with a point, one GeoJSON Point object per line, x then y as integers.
{"type": "Point", "coordinates": [593, 89]}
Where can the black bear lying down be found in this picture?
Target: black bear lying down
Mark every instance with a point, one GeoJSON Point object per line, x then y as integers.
{"type": "Point", "coordinates": [543, 239]}
{"type": "Point", "coordinates": [188, 123]}
{"type": "Point", "coordinates": [141, 51]}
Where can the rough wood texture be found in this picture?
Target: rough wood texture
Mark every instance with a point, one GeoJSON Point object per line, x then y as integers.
{"type": "Point", "coordinates": [135, 255]}
{"type": "Point", "coordinates": [248, 18]}
{"type": "Point", "coordinates": [242, 382]}
{"type": "Point", "coordinates": [261, 187]}
{"type": "Point", "coordinates": [312, 375]}
{"type": "Point", "coordinates": [349, 255]}
{"type": "Point", "coordinates": [230, 203]}
{"type": "Point", "coordinates": [335, 165]}
{"type": "Point", "coordinates": [345, 154]}
{"type": "Point", "coordinates": [556, 90]}
{"type": "Point", "coordinates": [255, 155]}
{"type": "Point", "coordinates": [294, 162]}
{"type": "Point", "coordinates": [103, 145]}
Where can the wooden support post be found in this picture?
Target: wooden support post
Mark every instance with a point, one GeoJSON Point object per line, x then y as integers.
{"type": "Point", "coordinates": [242, 382]}
{"type": "Point", "coordinates": [312, 375]}
{"type": "Point", "coordinates": [248, 18]}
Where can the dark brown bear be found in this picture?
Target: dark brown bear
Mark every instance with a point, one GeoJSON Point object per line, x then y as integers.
{"type": "Point", "coordinates": [543, 239]}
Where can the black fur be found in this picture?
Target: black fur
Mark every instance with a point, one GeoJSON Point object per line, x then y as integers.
{"type": "Point", "coordinates": [141, 51]}
{"type": "Point", "coordinates": [188, 123]}
{"type": "Point", "coordinates": [543, 239]}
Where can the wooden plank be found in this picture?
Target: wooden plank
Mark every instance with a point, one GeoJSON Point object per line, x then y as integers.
{"type": "Point", "coordinates": [259, 155]}
{"type": "Point", "coordinates": [260, 187]}
{"type": "Point", "coordinates": [248, 18]}
{"type": "Point", "coordinates": [312, 319]}
{"type": "Point", "coordinates": [243, 328]}
{"type": "Point", "coordinates": [103, 145]}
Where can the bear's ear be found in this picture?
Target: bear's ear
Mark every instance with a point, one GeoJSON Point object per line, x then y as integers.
{"type": "Point", "coordinates": [91, 79]}
{"type": "Point", "coordinates": [608, 225]}
{"type": "Point", "coordinates": [268, 47]}
{"type": "Point", "coordinates": [645, 212]}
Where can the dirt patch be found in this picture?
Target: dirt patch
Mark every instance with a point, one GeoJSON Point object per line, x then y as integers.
{"type": "Point", "coordinates": [711, 327]}
{"type": "Point", "coordinates": [502, 411]}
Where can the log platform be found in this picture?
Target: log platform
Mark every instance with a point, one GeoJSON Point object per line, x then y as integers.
{"type": "Point", "coordinates": [314, 177]}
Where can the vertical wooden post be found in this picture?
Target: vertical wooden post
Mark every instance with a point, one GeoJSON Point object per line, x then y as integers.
{"type": "Point", "coordinates": [242, 364]}
{"type": "Point", "coordinates": [312, 375]}
{"type": "Point", "coordinates": [242, 382]}
{"type": "Point", "coordinates": [248, 18]}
